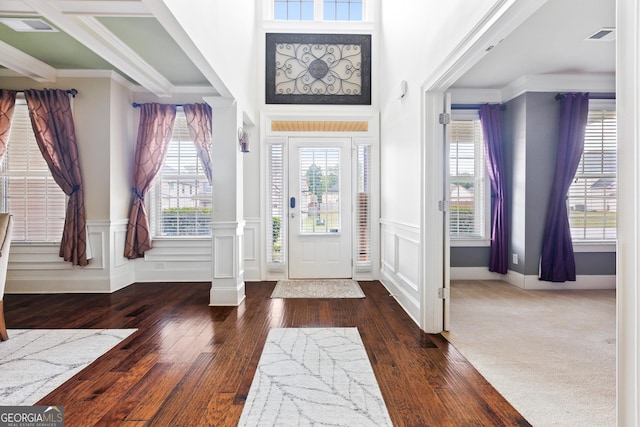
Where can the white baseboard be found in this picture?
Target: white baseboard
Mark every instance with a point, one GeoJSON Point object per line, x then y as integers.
{"type": "Point", "coordinates": [582, 282]}
{"type": "Point", "coordinates": [474, 273]}
{"type": "Point", "coordinates": [59, 286]}
{"type": "Point", "coordinates": [393, 284]}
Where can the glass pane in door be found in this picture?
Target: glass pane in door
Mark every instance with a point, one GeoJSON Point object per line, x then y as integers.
{"type": "Point", "coordinates": [319, 196]}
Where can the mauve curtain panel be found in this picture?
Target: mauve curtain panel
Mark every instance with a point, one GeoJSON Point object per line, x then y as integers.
{"type": "Point", "coordinates": [557, 261]}
{"type": "Point", "coordinates": [7, 102]}
{"type": "Point", "coordinates": [199, 122]}
{"type": "Point", "coordinates": [52, 122]}
{"type": "Point", "coordinates": [491, 119]}
{"type": "Point", "coordinates": [154, 133]}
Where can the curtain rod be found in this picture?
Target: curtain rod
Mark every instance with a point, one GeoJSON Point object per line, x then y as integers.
{"type": "Point", "coordinates": [603, 95]}
{"type": "Point", "coordinates": [503, 107]}
{"type": "Point", "coordinates": [72, 92]}
{"type": "Point", "coordinates": [136, 105]}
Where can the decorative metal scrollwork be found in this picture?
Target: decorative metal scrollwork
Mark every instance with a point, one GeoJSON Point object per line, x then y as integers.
{"type": "Point", "coordinates": [318, 68]}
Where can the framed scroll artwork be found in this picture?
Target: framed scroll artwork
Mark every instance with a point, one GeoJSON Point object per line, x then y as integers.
{"type": "Point", "coordinates": [318, 69]}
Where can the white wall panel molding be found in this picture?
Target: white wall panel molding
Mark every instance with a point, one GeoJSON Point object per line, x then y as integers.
{"type": "Point", "coordinates": [252, 252]}
{"type": "Point", "coordinates": [179, 260]}
{"type": "Point", "coordinates": [227, 287]}
{"type": "Point", "coordinates": [400, 264]}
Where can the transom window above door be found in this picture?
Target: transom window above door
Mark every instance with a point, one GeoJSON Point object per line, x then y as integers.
{"type": "Point", "coordinates": [318, 10]}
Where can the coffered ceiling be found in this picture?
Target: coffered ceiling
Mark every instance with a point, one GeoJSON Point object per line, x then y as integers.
{"type": "Point", "coordinates": [138, 40]}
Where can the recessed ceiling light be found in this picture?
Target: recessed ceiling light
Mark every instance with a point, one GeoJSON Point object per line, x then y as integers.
{"type": "Point", "coordinates": [34, 25]}
{"type": "Point", "coordinates": [603, 34]}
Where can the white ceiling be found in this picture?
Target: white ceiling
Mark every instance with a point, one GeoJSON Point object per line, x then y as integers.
{"type": "Point", "coordinates": [551, 42]}
{"type": "Point", "coordinates": [121, 34]}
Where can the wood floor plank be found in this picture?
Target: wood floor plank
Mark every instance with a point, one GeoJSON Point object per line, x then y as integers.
{"type": "Point", "coordinates": [189, 364]}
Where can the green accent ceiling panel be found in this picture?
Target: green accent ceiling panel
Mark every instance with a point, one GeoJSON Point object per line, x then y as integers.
{"type": "Point", "coordinates": [58, 50]}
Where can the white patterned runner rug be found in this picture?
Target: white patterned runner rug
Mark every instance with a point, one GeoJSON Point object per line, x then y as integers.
{"type": "Point", "coordinates": [314, 377]}
{"type": "Point", "coordinates": [34, 362]}
{"type": "Point", "coordinates": [320, 288]}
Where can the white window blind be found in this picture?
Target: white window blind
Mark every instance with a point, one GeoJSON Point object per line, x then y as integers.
{"type": "Point", "coordinates": [29, 192]}
{"type": "Point", "coordinates": [363, 213]}
{"type": "Point", "coordinates": [468, 193]}
{"type": "Point", "coordinates": [181, 196]}
{"type": "Point", "coordinates": [319, 196]}
{"type": "Point", "coordinates": [275, 246]}
{"type": "Point", "coordinates": [592, 196]}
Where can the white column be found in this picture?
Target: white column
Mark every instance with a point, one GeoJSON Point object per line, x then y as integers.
{"type": "Point", "coordinates": [227, 286]}
{"type": "Point", "coordinates": [628, 251]}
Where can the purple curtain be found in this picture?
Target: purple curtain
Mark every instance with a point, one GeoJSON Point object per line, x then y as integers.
{"type": "Point", "coordinates": [52, 122]}
{"type": "Point", "coordinates": [557, 261]}
{"type": "Point", "coordinates": [199, 122]}
{"type": "Point", "coordinates": [7, 102]}
{"type": "Point", "coordinates": [490, 117]}
{"type": "Point", "coordinates": [154, 134]}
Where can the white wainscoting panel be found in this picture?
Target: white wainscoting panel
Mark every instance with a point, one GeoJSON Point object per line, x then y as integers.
{"type": "Point", "coordinates": [400, 264]}
{"type": "Point", "coordinates": [176, 260]}
{"type": "Point", "coordinates": [227, 285]}
{"type": "Point", "coordinates": [252, 252]}
{"type": "Point", "coordinates": [37, 268]}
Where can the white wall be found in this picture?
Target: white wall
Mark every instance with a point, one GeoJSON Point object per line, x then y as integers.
{"type": "Point", "coordinates": [225, 33]}
{"type": "Point", "coordinates": [416, 37]}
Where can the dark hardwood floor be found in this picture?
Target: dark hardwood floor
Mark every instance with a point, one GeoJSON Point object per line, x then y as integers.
{"type": "Point", "coordinates": [192, 365]}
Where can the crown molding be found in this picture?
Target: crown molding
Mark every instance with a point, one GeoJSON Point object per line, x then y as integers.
{"type": "Point", "coordinates": [475, 96]}
{"type": "Point", "coordinates": [605, 82]}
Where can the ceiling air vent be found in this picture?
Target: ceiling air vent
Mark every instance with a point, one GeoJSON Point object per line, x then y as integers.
{"type": "Point", "coordinates": [33, 25]}
{"type": "Point", "coordinates": [603, 34]}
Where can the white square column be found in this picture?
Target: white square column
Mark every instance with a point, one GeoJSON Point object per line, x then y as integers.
{"type": "Point", "coordinates": [227, 236]}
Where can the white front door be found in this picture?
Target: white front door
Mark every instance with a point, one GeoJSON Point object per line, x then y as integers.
{"type": "Point", "coordinates": [320, 208]}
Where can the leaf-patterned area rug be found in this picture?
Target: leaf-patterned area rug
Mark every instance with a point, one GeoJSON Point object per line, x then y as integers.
{"type": "Point", "coordinates": [314, 376]}
{"type": "Point", "coordinates": [321, 288]}
{"type": "Point", "coordinates": [34, 362]}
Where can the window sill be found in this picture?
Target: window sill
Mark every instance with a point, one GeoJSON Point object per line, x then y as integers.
{"type": "Point", "coordinates": [595, 246]}
{"type": "Point", "coordinates": [21, 243]}
{"type": "Point", "coordinates": [469, 243]}
{"type": "Point", "coordinates": [179, 238]}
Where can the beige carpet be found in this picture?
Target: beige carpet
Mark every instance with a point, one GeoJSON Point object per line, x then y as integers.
{"type": "Point", "coordinates": [551, 354]}
{"type": "Point", "coordinates": [319, 288]}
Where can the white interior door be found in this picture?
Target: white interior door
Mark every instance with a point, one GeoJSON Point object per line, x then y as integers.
{"type": "Point", "coordinates": [320, 208]}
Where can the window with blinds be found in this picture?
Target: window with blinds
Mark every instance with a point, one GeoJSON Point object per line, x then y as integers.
{"type": "Point", "coordinates": [29, 192]}
{"type": "Point", "coordinates": [319, 196]}
{"type": "Point", "coordinates": [181, 196]}
{"type": "Point", "coordinates": [467, 192]}
{"type": "Point", "coordinates": [276, 226]}
{"type": "Point", "coordinates": [363, 213]}
{"type": "Point", "coordinates": [592, 196]}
